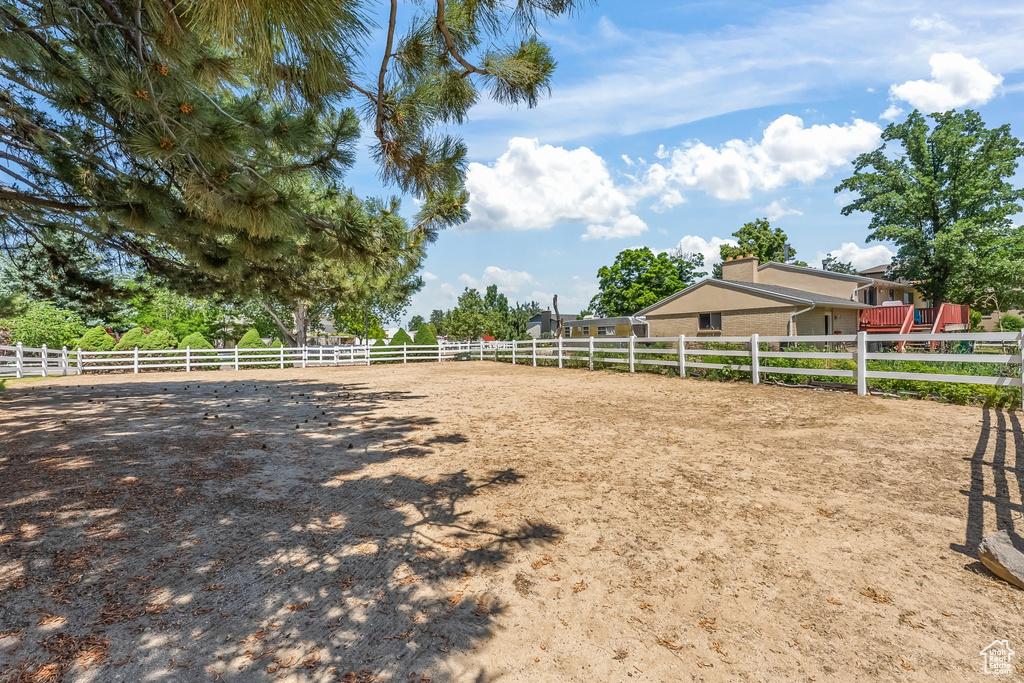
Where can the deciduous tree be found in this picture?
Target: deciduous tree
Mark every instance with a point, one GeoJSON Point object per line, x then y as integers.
{"type": "Point", "coordinates": [943, 193]}
{"type": "Point", "coordinates": [639, 278]}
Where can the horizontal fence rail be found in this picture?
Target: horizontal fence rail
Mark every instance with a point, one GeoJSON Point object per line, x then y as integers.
{"type": "Point", "coordinates": [991, 359]}
{"type": "Point", "coordinates": [987, 358]}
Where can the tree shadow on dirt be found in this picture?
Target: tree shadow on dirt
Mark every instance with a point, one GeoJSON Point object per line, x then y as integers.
{"type": "Point", "coordinates": [231, 531]}
{"type": "Point", "coordinates": [1005, 438]}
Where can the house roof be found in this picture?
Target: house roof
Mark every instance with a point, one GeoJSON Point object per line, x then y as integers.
{"type": "Point", "coordinates": [796, 296]}
{"type": "Point", "coordinates": [815, 271]}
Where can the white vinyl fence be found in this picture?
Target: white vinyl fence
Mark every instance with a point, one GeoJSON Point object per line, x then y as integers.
{"type": "Point", "coordinates": [990, 358]}
{"type": "Point", "coordinates": [1003, 352]}
{"type": "Point", "coordinates": [20, 361]}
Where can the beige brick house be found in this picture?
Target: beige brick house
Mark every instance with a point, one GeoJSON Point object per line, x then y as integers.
{"type": "Point", "coordinates": [774, 299]}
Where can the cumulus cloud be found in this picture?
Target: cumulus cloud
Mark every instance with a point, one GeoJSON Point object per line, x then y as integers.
{"type": "Point", "coordinates": [787, 152]}
{"type": "Point", "coordinates": [628, 226]}
{"type": "Point", "coordinates": [428, 276]}
{"type": "Point", "coordinates": [507, 280]}
{"type": "Point", "coordinates": [709, 249]}
{"type": "Point", "coordinates": [861, 257]}
{"type": "Point", "coordinates": [957, 81]}
{"type": "Point", "coordinates": [535, 187]}
{"type": "Point", "coordinates": [777, 209]}
{"type": "Point", "coordinates": [892, 112]}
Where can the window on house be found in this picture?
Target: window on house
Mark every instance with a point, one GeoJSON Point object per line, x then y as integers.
{"type": "Point", "coordinates": [871, 296]}
{"type": "Point", "coordinates": [908, 298]}
{"type": "Point", "coordinates": [892, 295]}
{"type": "Point", "coordinates": [710, 321]}
{"type": "Point", "coordinates": [606, 331]}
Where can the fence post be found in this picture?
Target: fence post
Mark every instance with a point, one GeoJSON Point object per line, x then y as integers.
{"type": "Point", "coordinates": [19, 361]}
{"type": "Point", "coordinates": [135, 360]}
{"type": "Point", "coordinates": [682, 356]}
{"type": "Point", "coordinates": [755, 360]}
{"type": "Point", "coordinates": [559, 352]}
{"type": "Point", "coordinates": [81, 367]}
{"type": "Point", "coordinates": [367, 352]}
{"type": "Point", "coordinates": [514, 345]}
{"type": "Point", "coordinates": [188, 359]}
{"type": "Point", "coordinates": [591, 354]}
{"type": "Point", "coordinates": [236, 358]}
{"type": "Point", "coordinates": [64, 360]}
{"type": "Point", "coordinates": [1020, 347]}
{"type": "Point", "coordinates": [438, 352]}
{"type": "Point", "coordinates": [862, 363]}
{"type": "Point", "coordinates": [405, 353]}
{"type": "Point", "coordinates": [632, 360]}
{"type": "Point", "coordinates": [304, 352]}
{"type": "Point", "coordinates": [534, 353]}
{"type": "Point", "coordinates": [43, 358]}
{"type": "Point", "coordinates": [336, 355]}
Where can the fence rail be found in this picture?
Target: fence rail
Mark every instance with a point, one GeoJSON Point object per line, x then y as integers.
{"type": "Point", "coordinates": [989, 358]}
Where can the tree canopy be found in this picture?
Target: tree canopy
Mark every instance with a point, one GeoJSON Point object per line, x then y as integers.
{"type": "Point", "coordinates": [204, 143]}
{"type": "Point", "coordinates": [942, 192]}
{"type": "Point", "coordinates": [639, 278]}
{"type": "Point", "coordinates": [759, 238]}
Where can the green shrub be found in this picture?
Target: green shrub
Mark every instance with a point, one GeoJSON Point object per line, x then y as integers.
{"type": "Point", "coordinates": [401, 337]}
{"type": "Point", "coordinates": [251, 340]}
{"type": "Point", "coordinates": [426, 335]}
{"type": "Point", "coordinates": [976, 317]}
{"type": "Point", "coordinates": [194, 341]}
{"type": "Point", "coordinates": [132, 338]}
{"type": "Point", "coordinates": [158, 340]}
{"type": "Point", "coordinates": [1011, 323]}
{"type": "Point", "coordinates": [43, 323]}
{"type": "Point", "coordinates": [95, 339]}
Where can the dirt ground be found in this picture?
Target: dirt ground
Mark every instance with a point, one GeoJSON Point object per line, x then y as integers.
{"type": "Point", "coordinates": [482, 522]}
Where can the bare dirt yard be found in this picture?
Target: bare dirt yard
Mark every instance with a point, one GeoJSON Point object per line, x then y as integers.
{"type": "Point", "coordinates": [482, 522]}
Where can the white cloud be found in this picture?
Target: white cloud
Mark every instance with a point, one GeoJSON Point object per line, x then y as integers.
{"type": "Point", "coordinates": [861, 257]}
{"type": "Point", "coordinates": [664, 77]}
{"type": "Point", "coordinates": [892, 112]}
{"type": "Point", "coordinates": [710, 249]}
{"type": "Point", "coordinates": [777, 209]}
{"type": "Point", "coordinates": [428, 276]}
{"type": "Point", "coordinates": [787, 152]}
{"type": "Point", "coordinates": [507, 280]}
{"type": "Point", "coordinates": [535, 187]}
{"type": "Point", "coordinates": [935, 22]}
{"type": "Point", "coordinates": [628, 226]}
{"type": "Point", "coordinates": [957, 81]}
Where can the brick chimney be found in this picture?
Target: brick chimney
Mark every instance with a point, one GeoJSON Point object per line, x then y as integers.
{"type": "Point", "coordinates": [740, 269]}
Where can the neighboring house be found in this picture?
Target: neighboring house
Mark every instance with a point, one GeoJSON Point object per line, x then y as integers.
{"type": "Point", "coordinates": [780, 299]}
{"type": "Point", "coordinates": [990, 321]}
{"type": "Point", "coordinates": [624, 326]}
{"type": "Point", "coordinates": [544, 322]}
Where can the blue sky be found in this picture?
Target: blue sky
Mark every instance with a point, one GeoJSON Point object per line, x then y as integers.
{"type": "Point", "coordinates": [674, 123]}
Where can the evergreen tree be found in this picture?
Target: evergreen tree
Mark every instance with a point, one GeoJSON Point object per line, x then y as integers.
{"type": "Point", "coordinates": [251, 340]}
{"type": "Point", "coordinates": [425, 335]}
{"type": "Point", "coordinates": [158, 340]}
{"type": "Point", "coordinates": [183, 137]}
{"type": "Point", "coordinates": [194, 341]}
{"type": "Point", "coordinates": [95, 339]}
{"type": "Point", "coordinates": [401, 337]}
{"type": "Point", "coordinates": [130, 339]}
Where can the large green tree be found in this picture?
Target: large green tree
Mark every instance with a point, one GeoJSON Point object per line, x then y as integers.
{"type": "Point", "coordinates": [943, 193]}
{"type": "Point", "coordinates": [182, 136]}
{"type": "Point", "coordinates": [640, 278]}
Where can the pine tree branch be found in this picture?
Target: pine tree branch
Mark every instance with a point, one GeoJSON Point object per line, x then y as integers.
{"type": "Point", "coordinates": [392, 20]}
{"type": "Point", "coordinates": [10, 194]}
{"type": "Point", "coordinates": [20, 178]}
{"type": "Point", "coordinates": [449, 42]}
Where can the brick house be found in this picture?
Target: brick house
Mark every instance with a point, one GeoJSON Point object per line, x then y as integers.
{"type": "Point", "coordinates": [777, 299]}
